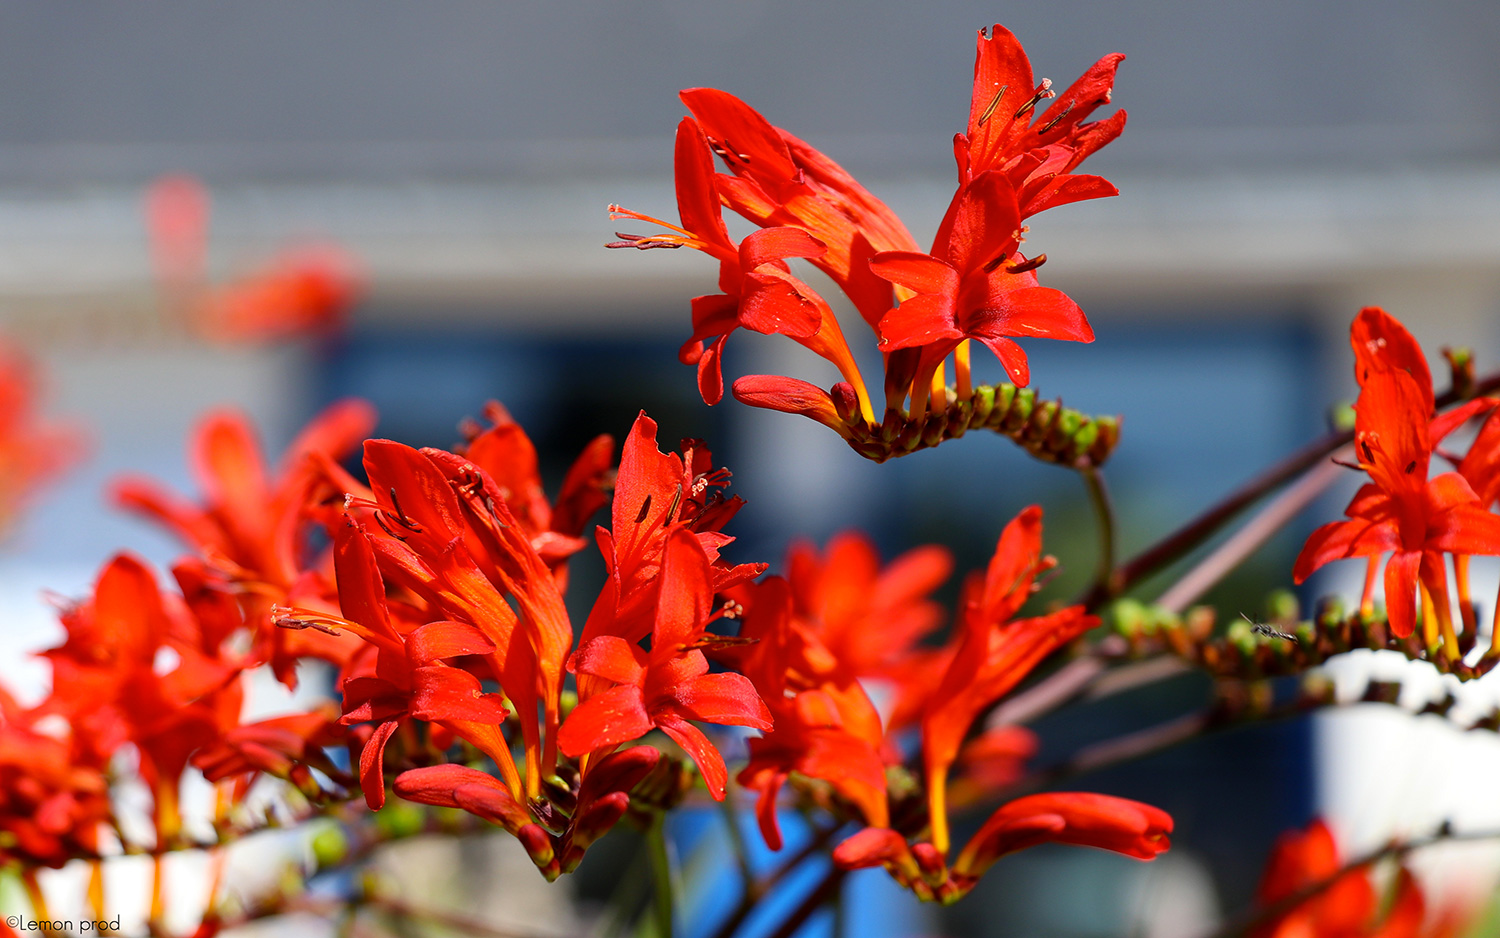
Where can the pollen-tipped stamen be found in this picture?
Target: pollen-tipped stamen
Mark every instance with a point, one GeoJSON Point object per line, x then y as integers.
{"type": "Point", "coordinates": [1043, 91]}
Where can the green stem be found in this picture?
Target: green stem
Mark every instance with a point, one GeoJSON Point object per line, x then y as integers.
{"type": "Point", "coordinates": [661, 876]}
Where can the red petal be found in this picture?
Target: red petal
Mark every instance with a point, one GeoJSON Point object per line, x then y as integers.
{"type": "Point", "coordinates": [583, 489]}
{"type": "Point", "coordinates": [921, 273]}
{"type": "Point", "coordinates": [1012, 357]}
{"type": "Point", "coordinates": [769, 245]}
{"type": "Point", "coordinates": [981, 225]}
{"type": "Point", "coordinates": [608, 719]}
{"type": "Point", "coordinates": [999, 63]}
{"type": "Point", "coordinates": [686, 595]}
{"type": "Point", "coordinates": [1381, 344]}
{"type": "Point", "coordinates": [711, 372]}
{"type": "Point", "coordinates": [725, 699]}
{"type": "Point", "coordinates": [773, 305]}
{"type": "Point", "coordinates": [1340, 540]}
{"type": "Point", "coordinates": [437, 640]}
{"type": "Point", "coordinates": [789, 396]}
{"type": "Point", "coordinates": [441, 693]}
{"type": "Point", "coordinates": [228, 462]}
{"type": "Point", "coordinates": [372, 765]}
{"type": "Point", "coordinates": [612, 658]}
{"type": "Point", "coordinates": [336, 430]}
{"type": "Point", "coordinates": [1090, 820]}
{"type": "Point", "coordinates": [1063, 190]}
{"type": "Point", "coordinates": [703, 753]}
{"type": "Point", "coordinates": [697, 200]}
{"type": "Point", "coordinates": [1031, 311]}
{"type": "Point", "coordinates": [1401, 591]}
{"type": "Point", "coordinates": [399, 473]}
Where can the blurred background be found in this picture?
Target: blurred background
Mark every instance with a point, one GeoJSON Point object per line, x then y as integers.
{"type": "Point", "coordinates": [1284, 164]}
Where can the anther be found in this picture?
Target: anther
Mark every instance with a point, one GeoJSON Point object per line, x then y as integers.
{"type": "Point", "coordinates": [1411, 467]}
{"type": "Point", "coordinates": [1026, 265]}
{"type": "Point", "coordinates": [642, 242]}
{"type": "Point", "coordinates": [672, 511]}
{"type": "Point", "coordinates": [401, 518]}
{"type": "Point", "coordinates": [1053, 122]}
{"type": "Point", "coordinates": [645, 510]}
{"type": "Point", "coordinates": [1044, 90]}
{"type": "Point", "coordinates": [1364, 447]}
{"type": "Point", "coordinates": [990, 108]}
{"type": "Point", "coordinates": [1000, 258]}
{"type": "Point", "coordinates": [380, 520]}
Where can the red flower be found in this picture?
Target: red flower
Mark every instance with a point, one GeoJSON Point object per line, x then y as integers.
{"type": "Point", "coordinates": [252, 525]}
{"type": "Point", "coordinates": [32, 452]}
{"type": "Point", "coordinates": [1036, 153]}
{"type": "Point", "coordinates": [975, 284]}
{"type": "Point", "coordinates": [669, 685]}
{"type": "Point", "coordinates": [993, 653]}
{"type": "Point", "coordinates": [825, 725]}
{"type": "Point", "coordinates": [779, 180]}
{"type": "Point", "coordinates": [758, 290]}
{"type": "Point", "coordinates": [1349, 907]}
{"type": "Point", "coordinates": [408, 676]}
{"type": "Point", "coordinates": [1402, 511]}
{"type": "Point", "coordinates": [506, 454]}
{"type": "Point", "coordinates": [655, 494]}
{"type": "Point", "coordinates": [1079, 818]}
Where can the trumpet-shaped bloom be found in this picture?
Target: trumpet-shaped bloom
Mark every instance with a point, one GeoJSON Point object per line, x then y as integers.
{"type": "Point", "coordinates": [758, 291]}
{"type": "Point", "coordinates": [994, 652]}
{"type": "Point", "coordinates": [975, 284]}
{"type": "Point", "coordinates": [669, 685]}
{"type": "Point", "coordinates": [1401, 511]}
{"type": "Point", "coordinates": [1035, 149]}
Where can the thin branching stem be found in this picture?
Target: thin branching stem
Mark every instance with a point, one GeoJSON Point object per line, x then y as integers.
{"type": "Point", "coordinates": [1188, 537]}
{"type": "Point", "coordinates": [1104, 514]}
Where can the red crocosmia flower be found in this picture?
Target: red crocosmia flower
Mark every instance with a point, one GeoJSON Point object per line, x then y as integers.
{"type": "Point", "coordinates": [32, 451]}
{"type": "Point", "coordinates": [458, 786]}
{"type": "Point", "coordinates": [251, 526]}
{"type": "Point", "coordinates": [669, 685]}
{"type": "Point", "coordinates": [825, 725]}
{"type": "Point", "coordinates": [758, 291]}
{"type": "Point", "coordinates": [869, 617]}
{"type": "Point", "coordinates": [779, 180]}
{"type": "Point", "coordinates": [408, 677]}
{"type": "Point", "coordinates": [54, 800]}
{"type": "Point", "coordinates": [282, 746]}
{"type": "Point", "coordinates": [1080, 818]}
{"type": "Point", "coordinates": [177, 210]}
{"type": "Point", "coordinates": [1349, 908]}
{"type": "Point", "coordinates": [506, 454]}
{"type": "Point", "coordinates": [1036, 153]}
{"type": "Point", "coordinates": [1401, 510]}
{"type": "Point", "coordinates": [138, 667]}
{"type": "Point", "coordinates": [302, 291]}
{"type": "Point", "coordinates": [974, 285]}
{"type": "Point", "coordinates": [993, 652]}
{"type": "Point", "coordinates": [655, 494]}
